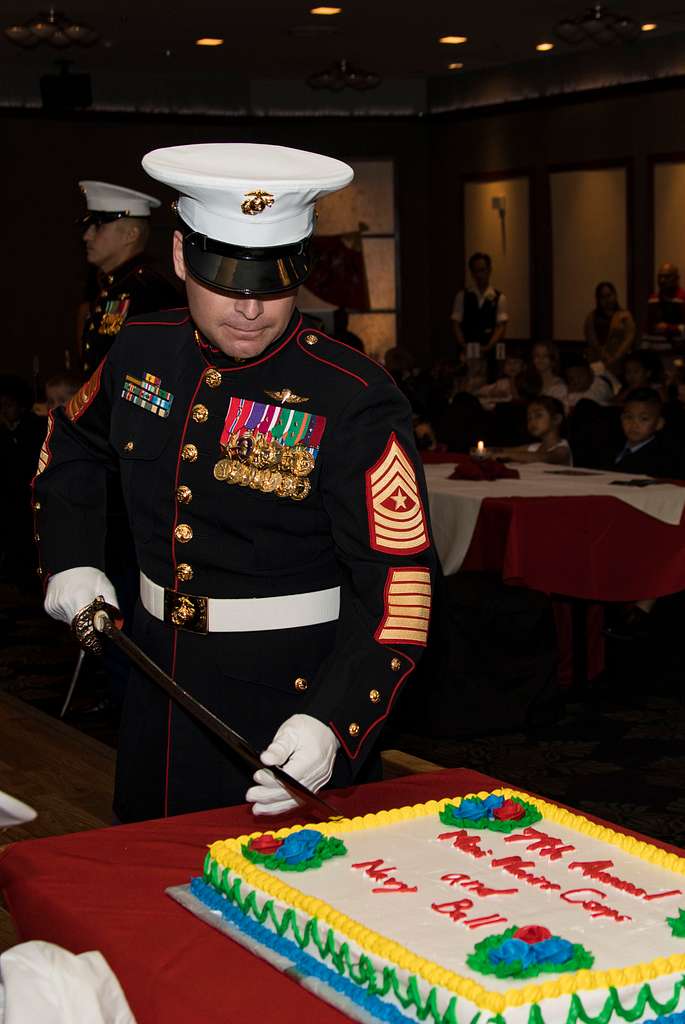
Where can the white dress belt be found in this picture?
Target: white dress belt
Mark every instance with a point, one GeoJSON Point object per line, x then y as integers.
{"type": "Point", "coordinates": [249, 614]}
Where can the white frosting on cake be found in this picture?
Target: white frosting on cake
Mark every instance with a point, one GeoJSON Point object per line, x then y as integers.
{"type": "Point", "coordinates": [436, 890]}
{"type": "Point", "coordinates": [415, 855]}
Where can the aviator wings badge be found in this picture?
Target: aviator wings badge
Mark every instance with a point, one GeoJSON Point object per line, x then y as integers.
{"type": "Point", "coordinates": [286, 395]}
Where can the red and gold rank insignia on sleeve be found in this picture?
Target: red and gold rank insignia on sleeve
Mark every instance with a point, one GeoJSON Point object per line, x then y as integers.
{"type": "Point", "coordinates": [407, 607]}
{"type": "Point", "coordinates": [78, 403]}
{"type": "Point", "coordinates": [397, 522]}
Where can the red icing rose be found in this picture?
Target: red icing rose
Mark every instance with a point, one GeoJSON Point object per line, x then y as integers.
{"type": "Point", "coordinates": [509, 811]}
{"type": "Point", "coordinates": [265, 844]}
{"type": "Point", "coordinates": [532, 933]}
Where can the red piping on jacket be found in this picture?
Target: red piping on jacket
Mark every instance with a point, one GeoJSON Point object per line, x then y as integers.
{"type": "Point", "coordinates": [381, 718]}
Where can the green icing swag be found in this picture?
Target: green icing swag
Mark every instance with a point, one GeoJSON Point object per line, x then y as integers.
{"type": "Point", "coordinates": [364, 974]}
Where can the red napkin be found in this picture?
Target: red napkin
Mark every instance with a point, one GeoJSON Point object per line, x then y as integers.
{"type": "Point", "coordinates": [488, 469]}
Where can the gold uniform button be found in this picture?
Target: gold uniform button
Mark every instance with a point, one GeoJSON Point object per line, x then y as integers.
{"type": "Point", "coordinates": [310, 339]}
{"type": "Point", "coordinates": [184, 495]}
{"type": "Point", "coordinates": [374, 696]}
{"type": "Point", "coordinates": [200, 413]}
{"type": "Point", "coordinates": [184, 572]}
{"type": "Point", "coordinates": [183, 533]}
{"type": "Point", "coordinates": [212, 378]}
{"type": "Point", "coordinates": [189, 453]}
{"type": "Point", "coordinates": [395, 664]}
{"type": "Point", "coordinates": [301, 684]}
{"type": "Point", "coordinates": [353, 729]}
{"type": "Point", "coordinates": [128, 446]}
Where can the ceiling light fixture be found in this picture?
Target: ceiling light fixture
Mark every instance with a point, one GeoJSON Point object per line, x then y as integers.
{"type": "Point", "coordinates": [326, 10]}
{"type": "Point", "coordinates": [209, 41]}
{"type": "Point", "coordinates": [455, 67]}
{"type": "Point", "coordinates": [649, 26]}
{"type": "Point", "coordinates": [344, 75]}
{"type": "Point", "coordinates": [544, 47]}
{"type": "Point", "coordinates": [599, 25]}
{"type": "Point", "coordinates": [53, 28]}
{"type": "Point", "coordinates": [453, 40]}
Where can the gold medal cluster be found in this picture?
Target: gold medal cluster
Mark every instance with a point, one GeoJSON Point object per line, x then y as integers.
{"type": "Point", "coordinates": [253, 460]}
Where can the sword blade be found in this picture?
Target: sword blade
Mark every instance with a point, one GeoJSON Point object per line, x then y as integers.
{"type": "Point", "coordinates": [245, 751]}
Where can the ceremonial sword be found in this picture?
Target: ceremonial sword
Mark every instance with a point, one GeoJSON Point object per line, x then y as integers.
{"type": "Point", "coordinates": [247, 753]}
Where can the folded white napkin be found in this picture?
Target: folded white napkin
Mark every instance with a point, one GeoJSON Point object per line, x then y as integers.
{"type": "Point", "coordinates": [13, 811]}
{"type": "Point", "coordinates": [45, 984]}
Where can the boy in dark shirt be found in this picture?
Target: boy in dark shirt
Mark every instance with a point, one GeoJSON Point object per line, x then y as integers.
{"type": "Point", "coordinates": [647, 450]}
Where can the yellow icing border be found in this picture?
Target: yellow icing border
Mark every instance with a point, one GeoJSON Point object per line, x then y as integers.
{"type": "Point", "coordinates": [228, 854]}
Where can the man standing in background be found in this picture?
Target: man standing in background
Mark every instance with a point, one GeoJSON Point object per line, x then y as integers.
{"type": "Point", "coordinates": [480, 315]}
{"type": "Point", "coordinates": [116, 234]}
{"type": "Point", "coordinates": [666, 307]}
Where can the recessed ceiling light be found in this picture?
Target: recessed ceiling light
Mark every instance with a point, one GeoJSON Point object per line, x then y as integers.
{"type": "Point", "coordinates": [209, 41]}
{"type": "Point", "coordinates": [453, 40]}
{"type": "Point", "coordinates": [648, 26]}
{"type": "Point", "coordinates": [543, 47]}
{"type": "Point", "coordinates": [455, 67]}
{"type": "Point", "coordinates": [325, 10]}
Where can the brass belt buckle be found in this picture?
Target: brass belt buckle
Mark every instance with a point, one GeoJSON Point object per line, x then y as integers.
{"type": "Point", "coordinates": [185, 611]}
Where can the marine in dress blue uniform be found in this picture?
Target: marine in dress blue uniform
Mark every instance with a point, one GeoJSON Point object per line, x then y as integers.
{"type": "Point", "coordinates": [133, 286]}
{"type": "Point", "coordinates": [277, 503]}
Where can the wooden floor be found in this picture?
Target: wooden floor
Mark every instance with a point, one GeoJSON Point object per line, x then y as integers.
{"type": "Point", "coordinates": [66, 776]}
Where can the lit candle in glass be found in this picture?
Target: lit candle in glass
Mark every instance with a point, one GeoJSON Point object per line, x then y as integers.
{"type": "Point", "coordinates": [480, 452]}
{"type": "Point", "coordinates": [480, 448]}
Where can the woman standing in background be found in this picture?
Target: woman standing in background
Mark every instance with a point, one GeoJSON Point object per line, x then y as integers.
{"type": "Point", "coordinates": [609, 330]}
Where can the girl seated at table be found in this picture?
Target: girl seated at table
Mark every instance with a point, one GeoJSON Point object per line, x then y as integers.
{"type": "Point", "coordinates": [547, 424]}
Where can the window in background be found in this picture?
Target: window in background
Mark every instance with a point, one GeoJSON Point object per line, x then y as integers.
{"type": "Point", "coordinates": [366, 206]}
{"type": "Point", "coordinates": [669, 216]}
{"type": "Point", "coordinates": [589, 242]}
{"type": "Point", "coordinates": [497, 221]}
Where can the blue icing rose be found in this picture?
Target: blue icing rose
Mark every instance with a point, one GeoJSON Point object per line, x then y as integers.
{"type": "Point", "coordinates": [553, 951]}
{"type": "Point", "coordinates": [512, 950]}
{"type": "Point", "coordinates": [299, 846]}
{"type": "Point", "coordinates": [491, 803]}
{"type": "Point", "coordinates": [471, 809]}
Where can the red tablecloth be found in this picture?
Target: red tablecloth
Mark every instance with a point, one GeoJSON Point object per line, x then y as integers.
{"type": "Point", "coordinates": [105, 890]}
{"type": "Point", "coordinates": [599, 549]}
{"type": "Point", "coordinates": [596, 548]}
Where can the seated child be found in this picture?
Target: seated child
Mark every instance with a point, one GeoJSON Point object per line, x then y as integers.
{"type": "Point", "coordinates": [504, 388]}
{"type": "Point", "coordinates": [584, 383]}
{"type": "Point", "coordinates": [641, 369]}
{"type": "Point", "coordinates": [646, 450]}
{"type": "Point", "coordinates": [547, 424]}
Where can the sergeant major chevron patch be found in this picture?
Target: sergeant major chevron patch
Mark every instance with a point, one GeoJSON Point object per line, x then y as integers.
{"type": "Point", "coordinates": [397, 522]}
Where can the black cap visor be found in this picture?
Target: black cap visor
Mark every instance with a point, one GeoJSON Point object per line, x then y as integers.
{"type": "Point", "coordinates": [99, 217]}
{"type": "Point", "coordinates": [233, 268]}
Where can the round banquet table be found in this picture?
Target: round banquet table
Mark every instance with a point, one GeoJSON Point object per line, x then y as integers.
{"type": "Point", "coordinates": [104, 890]}
{"type": "Point", "coordinates": [591, 547]}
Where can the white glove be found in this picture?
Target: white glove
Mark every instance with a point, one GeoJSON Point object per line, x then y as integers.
{"type": "Point", "coordinates": [73, 589]}
{"type": "Point", "coordinates": [305, 748]}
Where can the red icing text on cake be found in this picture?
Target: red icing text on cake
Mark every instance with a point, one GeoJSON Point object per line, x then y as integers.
{"type": "Point", "coordinates": [593, 908]}
{"type": "Point", "coordinates": [463, 841]}
{"type": "Point", "coordinates": [516, 866]}
{"type": "Point", "coordinates": [457, 910]}
{"type": "Point", "coordinates": [478, 888]}
{"type": "Point", "coordinates": [540, 842]}
{"type": "Point", "coordinates": [374, 869]}
{"type": "Point", "coordinates": [596, 869]}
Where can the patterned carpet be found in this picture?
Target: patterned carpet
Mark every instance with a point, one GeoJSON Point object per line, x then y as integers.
{"type": "Point", "coordinates": [617, 754]}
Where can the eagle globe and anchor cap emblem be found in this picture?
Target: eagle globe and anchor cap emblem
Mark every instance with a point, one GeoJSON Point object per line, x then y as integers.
{"type": "Point", "coordinates": [256, 202]}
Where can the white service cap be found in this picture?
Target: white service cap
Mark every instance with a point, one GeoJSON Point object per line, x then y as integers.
{"type": "Point", "coordinates": [247, 194]}
{"type": "Point", "coordinates": [249, 210]}
{"type": "Point", "coordinates": [102, 197]}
